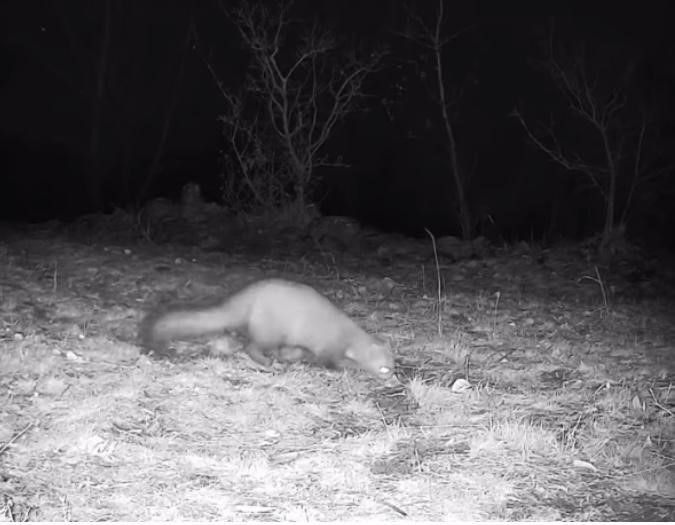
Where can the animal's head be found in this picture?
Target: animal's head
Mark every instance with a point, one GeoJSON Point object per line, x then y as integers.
{"type": "Point", "coordinates": [374, 356]}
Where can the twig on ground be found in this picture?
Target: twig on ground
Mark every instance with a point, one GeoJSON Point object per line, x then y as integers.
{"type": "Point", "coordinates": [16, 436]}
{"type": "Point", "coordinates": [659, 405]}
{"type": "Point", "coordinates": [601, 283]}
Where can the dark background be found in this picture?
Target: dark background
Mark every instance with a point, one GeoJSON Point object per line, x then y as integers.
{"type": "Point", "coordinates": [398, 176]}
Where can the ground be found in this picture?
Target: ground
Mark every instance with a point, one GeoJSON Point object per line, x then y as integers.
{"type": "Point", "coordinates": [534, 386]}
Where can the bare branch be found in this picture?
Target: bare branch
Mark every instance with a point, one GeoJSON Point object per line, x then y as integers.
{"type": "Point", "coordinates": [636, 169]}
{"type": "Point", "coordinates": [556, 153]}
{"type": "Point", "coordinates": [605, 104]}
{"type": "Point", "coordinates": [306, 88]}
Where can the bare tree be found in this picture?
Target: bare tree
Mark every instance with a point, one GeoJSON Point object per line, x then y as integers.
{"type": "Point", "coordinates": [611, 129]}
{"type": "Point", "coordinates": [98, 100]}
{"type": "Point", "coordinates": [432, 37]}
{"type": "Point", "coordinates": [249, 176]}
{"type": "Point", "coordinates": [261, 181]}
{"type": "Point", "coordinates": [304, 83]}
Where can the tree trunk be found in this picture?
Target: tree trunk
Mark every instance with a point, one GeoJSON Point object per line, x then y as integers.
{"type": "Point", "coordinates": [463, 207]}
{"type": "Point", "coordinates": [610, 198]}
{"type": "Point", "coordinates": [94, 175]}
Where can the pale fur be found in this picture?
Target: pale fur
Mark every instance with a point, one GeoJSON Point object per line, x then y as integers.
{"type": "Point", "coordinates": [275, 313]}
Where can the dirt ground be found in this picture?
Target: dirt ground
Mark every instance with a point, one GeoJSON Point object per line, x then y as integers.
{"type": "Point", "coordinates": [535, 385]}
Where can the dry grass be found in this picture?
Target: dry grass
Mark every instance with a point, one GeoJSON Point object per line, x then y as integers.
{"type": "Point", "coordinates": [569, 414]}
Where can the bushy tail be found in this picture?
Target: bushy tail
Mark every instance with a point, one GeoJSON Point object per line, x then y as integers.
{"type": "Point", "coordinates": [158, 328]}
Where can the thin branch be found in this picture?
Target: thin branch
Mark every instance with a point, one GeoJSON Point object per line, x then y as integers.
{"type": "Point", "coordinates": [556, 154]}
{"type": "Point", "coordinates": [636, 169]}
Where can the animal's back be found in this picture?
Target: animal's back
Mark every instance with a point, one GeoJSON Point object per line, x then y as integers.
{"type": "Point", "coordinates": [294, 314]}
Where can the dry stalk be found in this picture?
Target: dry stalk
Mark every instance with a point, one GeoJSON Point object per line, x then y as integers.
{"type": "Point", "coordinates": [438, 284]}
{"type": "Point", "coordinates": [494, 314]}
{"type": "Point", "coordinates": [55, 277]}
{"type": "Point", "coordinates": [601, 284]}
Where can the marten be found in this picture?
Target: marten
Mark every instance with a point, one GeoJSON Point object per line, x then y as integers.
{"type": "Point", "coordinates": [276, 315]}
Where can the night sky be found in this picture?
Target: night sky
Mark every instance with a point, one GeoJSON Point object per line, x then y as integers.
{"type": "Point", "coordinates": [394, 143]}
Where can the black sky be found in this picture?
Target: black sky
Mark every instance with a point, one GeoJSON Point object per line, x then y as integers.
{"type": "Point", "coordinates": [49, 50]}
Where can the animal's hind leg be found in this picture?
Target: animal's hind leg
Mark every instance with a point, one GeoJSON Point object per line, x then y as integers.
{"type": "Point", "coordinates": [257, 353]}
{"type": "Point", "coordinates": [291, 354]}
